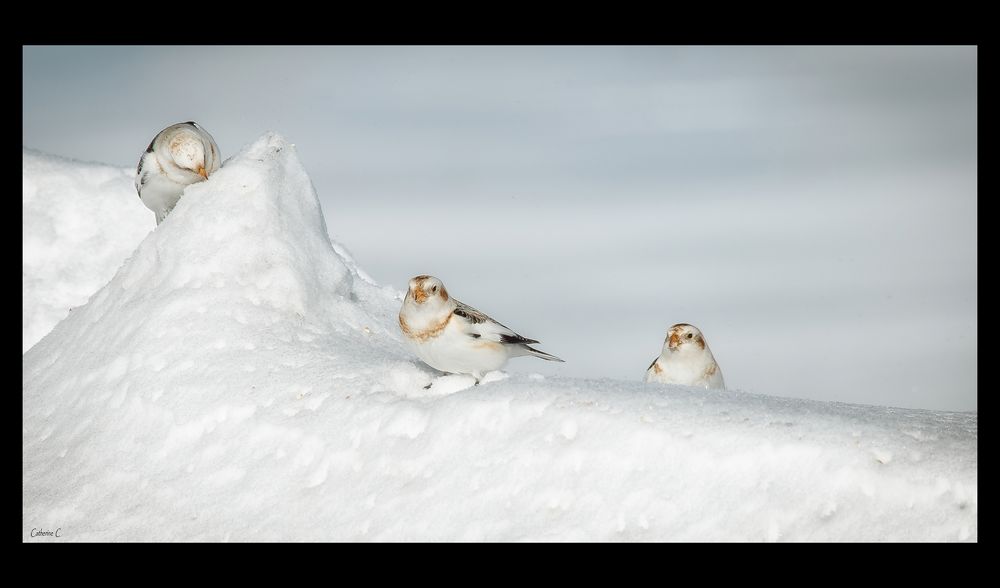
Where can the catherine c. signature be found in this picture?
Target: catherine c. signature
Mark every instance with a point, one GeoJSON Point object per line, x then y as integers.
{"type": "Point", "coordinates": [44, 533]}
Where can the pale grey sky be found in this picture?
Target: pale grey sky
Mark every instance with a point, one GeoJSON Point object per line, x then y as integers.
{"type": "Point", "coordinates": [811, 209]}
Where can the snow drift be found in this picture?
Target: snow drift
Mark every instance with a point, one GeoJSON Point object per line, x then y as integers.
{"type": "Point", "coordinates": [80, 221]}
{"type": "Point", "coordinates": [240, 379]}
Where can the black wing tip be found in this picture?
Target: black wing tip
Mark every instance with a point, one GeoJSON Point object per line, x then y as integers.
{"type": "Point", "coordinates": [543, 355]}
{"type": "Point", "coordinates": [516, 340]}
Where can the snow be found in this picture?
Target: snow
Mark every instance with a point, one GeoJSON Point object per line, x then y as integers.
{"type": "Point", "coordinates": [240, 379]}
{"type": "Point", "coordinates": [80, 221]}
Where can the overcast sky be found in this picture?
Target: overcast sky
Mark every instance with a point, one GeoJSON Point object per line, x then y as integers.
{"type": "Point", "coordinates": [811, 209]}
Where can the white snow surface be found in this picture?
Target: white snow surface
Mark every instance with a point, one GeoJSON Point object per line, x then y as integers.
{"type": "Point", "coordinates": [240, 379]}
{"type": "Point", "coordinates": [80, 221]}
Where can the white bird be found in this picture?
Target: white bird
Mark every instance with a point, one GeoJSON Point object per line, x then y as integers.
{"type": "Point", "coordinates": [453, 337]}
{"type": "Point", "coordinates": [685, 359]}
{"type": "Point", "coordinates": [178, 156]}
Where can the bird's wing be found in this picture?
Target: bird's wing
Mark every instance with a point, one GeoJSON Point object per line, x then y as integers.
{"type": "Point", "coordinates": [479, 324]}
{"type": "Point", "coordinates": [140, 177]}
{"type": "Point", "coordinates": [716, 381]}
{"type": "Point", "coordinates": [471, 314]}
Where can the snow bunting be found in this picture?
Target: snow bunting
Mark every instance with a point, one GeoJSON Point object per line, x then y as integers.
{"type": "Point", "coordinates": [453, 337]}
{"type": "Point", "coordinates": [685, 359]}
{"type": "Point", "coordinates": [178, 156]}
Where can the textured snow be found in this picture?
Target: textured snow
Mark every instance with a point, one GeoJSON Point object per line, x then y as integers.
{"type": "Point", "coordinates": [80, 221]}
{"type": "Point", "coordinates": [239, 379]}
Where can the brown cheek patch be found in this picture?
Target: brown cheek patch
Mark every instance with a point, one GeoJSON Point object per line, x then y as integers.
{"type": "Point", "coordinates": [443, 294]}
{"type": "Point", "coordinates": [674, 340]}
{"type": "Point", "coordinates": [701, 342]}
{"type": "Point", "coordinates": [419, 295]}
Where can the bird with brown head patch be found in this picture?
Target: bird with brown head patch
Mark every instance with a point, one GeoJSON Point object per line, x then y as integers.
{"type": "Point", "coordinates": [453, 337]}
{"type": "Point", "coordinates": [178, 156]}
{"type": "Point", "coordinates": [685, 359]}
{"type": "Point", "coordinates": [424, 288]}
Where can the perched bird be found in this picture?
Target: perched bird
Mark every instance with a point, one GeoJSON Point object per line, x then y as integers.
{"type": "Point", "coordinates": [178, 156]}
{"type": "Point", "coordinates": [685, 359]}
{"type": "Point", "coordinates": [453, 337]}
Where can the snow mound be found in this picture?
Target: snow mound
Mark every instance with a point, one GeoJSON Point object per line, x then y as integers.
{"type": "Point", "coordinates": [240, 379]}
{"type": "Point", "coordinates": [79, 222]}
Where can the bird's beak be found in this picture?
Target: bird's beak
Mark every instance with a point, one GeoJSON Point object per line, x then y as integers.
{"type": "Point", "coordinates": [673, 341]}
{"type": "Point", "coordinates": [202, 172]}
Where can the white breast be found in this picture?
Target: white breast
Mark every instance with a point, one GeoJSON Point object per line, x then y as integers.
{"type": "Point", "coordinates": [454, 351]}
{"type": "Point", "coordinates": [160, 194]}
{"type": "Point", "coordinates": [687, 372]}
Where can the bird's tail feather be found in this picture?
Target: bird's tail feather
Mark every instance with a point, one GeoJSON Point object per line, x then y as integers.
{"type": "Point", "coordinates": [542, 354]}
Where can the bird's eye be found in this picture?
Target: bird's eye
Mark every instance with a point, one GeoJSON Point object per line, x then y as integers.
{"type": "Point", "coordinates": [434, 289]}
{"type": "Point", "coordinates": [690, 335]}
